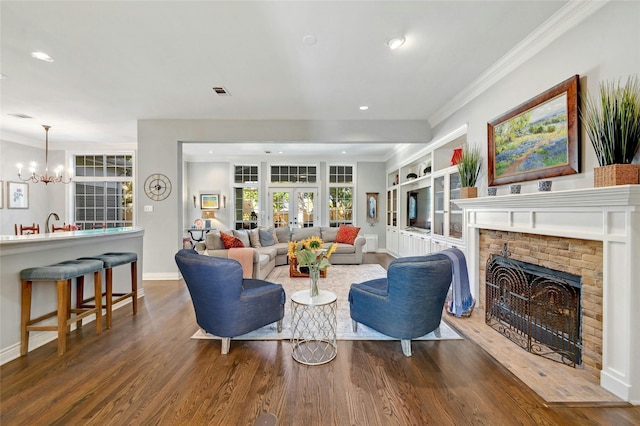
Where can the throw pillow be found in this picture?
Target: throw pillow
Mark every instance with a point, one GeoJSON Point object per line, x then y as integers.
{"type": "Point", "coordinates": [242, 236]}
{"type": "Point", "coordinates": [328, 234]}
{"type": "Point", "coordinates": [254, 238]}
{"type": "Point", "coordinates": [347, 234]}
{"type": "Point", "coordinates": [230, 241]}
{"type": "Point", "coordinates": [266, 237]}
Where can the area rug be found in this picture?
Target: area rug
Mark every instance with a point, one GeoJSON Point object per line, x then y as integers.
{"type": "Point", "coordinates": [339, 279]}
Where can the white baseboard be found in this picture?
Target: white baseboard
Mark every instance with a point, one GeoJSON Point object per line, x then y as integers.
{"type": "Point", "coordinates": [41, 338]}
{"type": "Point", "coordinates": [161, 276]}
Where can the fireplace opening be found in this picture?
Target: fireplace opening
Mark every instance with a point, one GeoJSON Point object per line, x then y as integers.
{"type": "Point", "coordinates": [535, 307]}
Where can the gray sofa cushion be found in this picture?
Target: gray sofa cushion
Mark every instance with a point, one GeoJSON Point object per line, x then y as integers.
{"type": "Point", "coordinates": [266, 237]}
{"type": "Point", "coordinates": [282, 234]}
{"type": "Point", "coordinates": [213, 241]}
{"type": "Point", "coordinates": [328, 234]}
{"type": "Point", "coordinates": [243, 236]}
{"type": "Point", "coordinates": [254, 238]}
{"type": "Point", "coordinates": [299, 234]}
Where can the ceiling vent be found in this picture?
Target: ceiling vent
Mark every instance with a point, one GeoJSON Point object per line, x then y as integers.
{"type": "Point", "coordinates": [20, 115]}
{"type": "Point", "coordinates": [221, 91]}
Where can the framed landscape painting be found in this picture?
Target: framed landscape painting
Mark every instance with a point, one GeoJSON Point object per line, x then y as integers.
{"type": "Point", "coordinates": [538, 139]}
{"type": "Point", "coordinates": [209, 201]}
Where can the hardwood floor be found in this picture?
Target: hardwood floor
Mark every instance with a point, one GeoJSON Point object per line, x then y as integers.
{"type": "Point", "coordinates": [147, 370]}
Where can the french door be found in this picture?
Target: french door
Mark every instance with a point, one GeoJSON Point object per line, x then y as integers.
{"type": "Point", "coordinates": [293, 207]}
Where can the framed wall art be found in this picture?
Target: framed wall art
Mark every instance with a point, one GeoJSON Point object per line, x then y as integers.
{"type": "Point", "coordinates": [1, 194]}
{"type": "Point", "coordinates": [372, 206]}
{"type": "Point", "coordinates": [17, 195]}
{"type": "Point", "coordinates": [209, 201]}
{"type": "Point", "coordinates": [538, 139]}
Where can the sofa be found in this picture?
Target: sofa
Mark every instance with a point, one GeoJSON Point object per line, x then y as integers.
{"type": "Point", "coordinates": [270, 245]}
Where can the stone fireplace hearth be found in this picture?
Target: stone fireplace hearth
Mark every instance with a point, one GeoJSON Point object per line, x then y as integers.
{"type": "Point", "coordinates": [593, 233]}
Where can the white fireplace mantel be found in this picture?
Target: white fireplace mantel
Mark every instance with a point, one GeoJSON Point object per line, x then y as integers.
{"type": "Point", "coordinates": [610, 215]}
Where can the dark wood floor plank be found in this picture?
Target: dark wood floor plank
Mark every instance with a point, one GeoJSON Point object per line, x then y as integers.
{"type": "Point", "coordinates": [147, 370]}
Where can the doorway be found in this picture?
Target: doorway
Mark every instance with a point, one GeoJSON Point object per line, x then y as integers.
{"type": "Point", "coordinates": [293, 207]}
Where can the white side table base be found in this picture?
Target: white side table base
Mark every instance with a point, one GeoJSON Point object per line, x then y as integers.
{"type": "Point", "coordinates": [314, 325]}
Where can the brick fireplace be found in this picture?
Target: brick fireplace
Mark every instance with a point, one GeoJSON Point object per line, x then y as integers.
{"type": "Point", "coordinates": [574, 256]}
{"type": "Point", "coordinates": [593, 233]}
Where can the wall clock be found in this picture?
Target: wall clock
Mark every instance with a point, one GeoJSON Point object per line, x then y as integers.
{"type": "Point", "coordinates": [157, 187]}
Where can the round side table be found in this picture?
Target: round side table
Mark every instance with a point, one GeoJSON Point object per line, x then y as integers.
{"type": "Point", "coordinates": [314, 325]}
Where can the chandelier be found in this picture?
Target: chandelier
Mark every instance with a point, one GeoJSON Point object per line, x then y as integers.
{"type": "Point", "coordinates": [45, 178]}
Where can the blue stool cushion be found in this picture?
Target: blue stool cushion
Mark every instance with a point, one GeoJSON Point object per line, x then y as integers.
{"type": "Point", "coordinates": [111, 260]}
{"type": "Point", "coordinates": [62, 271]}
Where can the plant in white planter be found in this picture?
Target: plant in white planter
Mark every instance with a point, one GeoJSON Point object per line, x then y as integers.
{"type": "Point", "coordinates": [612, 121]}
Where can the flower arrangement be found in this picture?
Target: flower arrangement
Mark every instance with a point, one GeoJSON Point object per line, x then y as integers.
{"type": "Point", "coordinates": [311, 253]}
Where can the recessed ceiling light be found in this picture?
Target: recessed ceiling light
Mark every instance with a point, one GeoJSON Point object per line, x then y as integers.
{"type": "Point", "coordinates": [344, 152]}
{"type": "Point", "coordinates": [42, 56]}
{"type": "Point", "coordinates": [395, 42]}
{"type": "Point", "coordinates": [210, 152]}
{"type": "Point", "coordinates": [363, 107]}
{"type": "Point", "coordinates": [280, 152]}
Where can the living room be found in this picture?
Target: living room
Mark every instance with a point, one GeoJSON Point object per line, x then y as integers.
{"type": "Point", "coordinates": [595, 40]}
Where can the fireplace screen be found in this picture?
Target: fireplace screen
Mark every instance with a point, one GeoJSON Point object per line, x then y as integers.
{"type": "Point", "coordinates": [535, 307]}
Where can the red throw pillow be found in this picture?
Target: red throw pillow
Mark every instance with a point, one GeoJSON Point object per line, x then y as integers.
{"type": "Point", "coordinates": [230, 241]}
{"type": "Point", "coordinates": [347, 234]}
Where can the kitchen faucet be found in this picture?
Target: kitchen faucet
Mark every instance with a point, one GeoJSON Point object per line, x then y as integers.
{"type": "Point", "coordinates": [46, 224]}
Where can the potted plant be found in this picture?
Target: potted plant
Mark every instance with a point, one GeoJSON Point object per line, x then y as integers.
{"type": "Point", "coordinates": [612, 121]}
{"type": "Point", "coordinates": [469, 164]}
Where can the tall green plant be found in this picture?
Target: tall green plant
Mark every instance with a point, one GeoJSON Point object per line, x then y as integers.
{"type": "Point", "coordinates": [469, 166]}
{"type": "Point", "coordinates": [613, 121]}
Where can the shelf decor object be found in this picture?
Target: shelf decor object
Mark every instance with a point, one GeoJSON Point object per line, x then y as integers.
{"type": "Point", "coordinates": [469, 164]}
{"type": "Point", "coordinates": [372, 207]}
{"type": "Point", "coordinates": [612, 122]}
{"type": "Point", "coordinates": [538, 139]}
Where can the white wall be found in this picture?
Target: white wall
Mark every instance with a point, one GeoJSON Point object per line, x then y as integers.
{"type": "Point", "coordinates": [606, 46]}
{"type": "Point", "coordinates": [42, 198]}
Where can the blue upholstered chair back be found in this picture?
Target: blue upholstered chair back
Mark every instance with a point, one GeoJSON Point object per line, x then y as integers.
{"type": "Point", "coordinates": [409, 302]}
{"type": "Point", "coordinates": [226, 304]}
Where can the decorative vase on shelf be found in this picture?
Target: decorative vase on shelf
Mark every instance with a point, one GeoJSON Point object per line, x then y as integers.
{"type": "Point", "coordinates": [314, 275]}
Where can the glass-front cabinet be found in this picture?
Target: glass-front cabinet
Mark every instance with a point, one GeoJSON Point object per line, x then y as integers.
{"type": "Point", "coordinates": [448, 218]}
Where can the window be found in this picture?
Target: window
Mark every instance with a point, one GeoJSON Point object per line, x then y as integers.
{"type": "Point", "coordinates": [340, 174]}
{"type": "Point", "coordinates": [103, 187]}
{"type": "Point", "coordinates": [246, 174]}
{"type": "Point", "coordinates": [246, 208]}
{"type": "Point", "coordinates": [340, 206]}
{"type": "Point", "coordinates": [340, 195]}
{"type": "Point", "coordinates": [293, 174]}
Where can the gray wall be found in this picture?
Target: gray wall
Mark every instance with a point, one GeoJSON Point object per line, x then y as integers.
{"type": "Point", "coordinates": [42, 198]}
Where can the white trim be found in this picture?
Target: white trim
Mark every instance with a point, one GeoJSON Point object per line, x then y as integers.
{"type": "Point", "coordinates": [570, 15]}
{"type": "Point", "coordinates": [161, 276]}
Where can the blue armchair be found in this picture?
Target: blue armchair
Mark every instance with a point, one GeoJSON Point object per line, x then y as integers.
{"type": "Point", "coordinates": [227, 305]}
{"type": "Point", "coordinates": [408, 303]}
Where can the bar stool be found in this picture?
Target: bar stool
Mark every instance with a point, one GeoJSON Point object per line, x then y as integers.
{"type": "Point", "coordinates": [61, 273]}
{"type": "Point", "coordinates": [110, 261]}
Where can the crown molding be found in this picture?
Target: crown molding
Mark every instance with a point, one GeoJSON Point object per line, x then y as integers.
{"type": "Point", "coordinates": [570, 15]}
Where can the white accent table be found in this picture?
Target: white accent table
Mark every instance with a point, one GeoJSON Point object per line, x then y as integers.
{"type": "Point", "coordinates": [314, 326]}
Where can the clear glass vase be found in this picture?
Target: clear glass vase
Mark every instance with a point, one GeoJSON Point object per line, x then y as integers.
{"type": "Point", "coordinates": [314, 275]}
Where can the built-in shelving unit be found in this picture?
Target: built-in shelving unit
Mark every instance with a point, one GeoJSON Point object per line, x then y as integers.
{"type": "Point", "coordinates": [428, 170]}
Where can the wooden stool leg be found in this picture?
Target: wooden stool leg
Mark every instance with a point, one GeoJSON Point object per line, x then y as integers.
{"type": "Point", "coordinates": [79, 296]}
{"type": "Point", "coordinates": [134, 286]}
{"type": "Point", "coordinates": [25, 316]}
{"type": "Point", "coordinates": [62, 315]}
{"type": "Point", "coordinates": [97, 280]}
{"type": "Point", "coordinates": [109, 293]}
